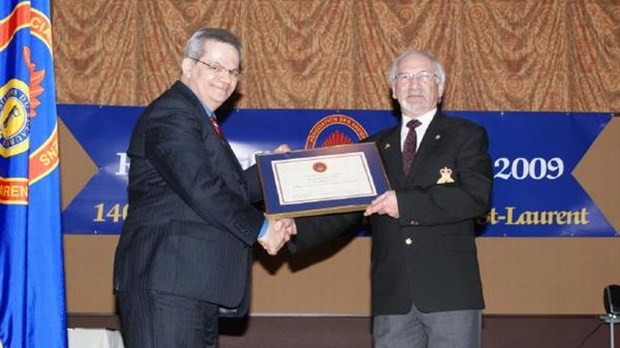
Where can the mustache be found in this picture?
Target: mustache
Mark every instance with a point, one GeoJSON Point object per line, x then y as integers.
{"type": "Point", "coordinates": [416, 92]}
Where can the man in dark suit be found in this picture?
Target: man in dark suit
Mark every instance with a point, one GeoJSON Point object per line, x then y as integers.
{"type": "Point", "coordinates": [426, 288]}
{"type": "Point", "coordinates": [185, 251]}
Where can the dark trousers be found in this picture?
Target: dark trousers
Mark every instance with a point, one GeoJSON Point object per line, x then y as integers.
{"type": "Point", "coordinates": [155, 319]}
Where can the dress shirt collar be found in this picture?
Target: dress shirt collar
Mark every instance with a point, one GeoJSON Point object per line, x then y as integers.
{"type": "Point", "coordinates": [425, 121]}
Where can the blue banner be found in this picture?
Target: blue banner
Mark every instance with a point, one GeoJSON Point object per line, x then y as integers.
{"type": "Point", "coordinates": [534, 155]}
{"type": "Point", "coordinates": [32, 290]}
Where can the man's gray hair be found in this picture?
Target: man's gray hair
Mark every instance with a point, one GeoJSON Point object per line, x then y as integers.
{"type": "Point", "coordinates": [195, 45]}
{"type": "Point", "coordinates": [437, 66]}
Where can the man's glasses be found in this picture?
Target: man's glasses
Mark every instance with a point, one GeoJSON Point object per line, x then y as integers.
{"type": "Point", "coordinates": [234, 73]}
{"type": "Point", "coordinates": [423, 76]}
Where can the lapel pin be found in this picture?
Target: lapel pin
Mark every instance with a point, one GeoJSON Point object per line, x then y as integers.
{"type": "Point", "coordinates": [386, 146]}
{"type": "Point", "coordinates": [437, 137]}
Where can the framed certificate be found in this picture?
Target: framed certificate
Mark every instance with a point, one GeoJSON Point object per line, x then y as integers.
{"type": "Point", "coordinates": [321, 181]}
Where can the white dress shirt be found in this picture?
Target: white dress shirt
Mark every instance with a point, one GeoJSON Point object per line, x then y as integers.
{"type": "Point", "coordinates": [425, 120]}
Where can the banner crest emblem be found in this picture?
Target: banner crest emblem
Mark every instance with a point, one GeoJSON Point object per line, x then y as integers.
{"type": "Point", "coordinates": [336, 129]}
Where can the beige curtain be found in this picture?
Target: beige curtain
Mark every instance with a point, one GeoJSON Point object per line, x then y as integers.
{"type": "Point", "coordinates": [542, 55]}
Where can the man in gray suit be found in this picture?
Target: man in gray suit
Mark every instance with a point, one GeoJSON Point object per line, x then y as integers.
{"type": "Point", "coordinates": [185, 251]}
{"type": "Point", "coordinates": [426, 288]}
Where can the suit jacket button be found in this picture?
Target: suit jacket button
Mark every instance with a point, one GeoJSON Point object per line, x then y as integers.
{"type": "Point", "coordinates": [413, 223]}
{"type": "Point", "coordinates": [408, 241]}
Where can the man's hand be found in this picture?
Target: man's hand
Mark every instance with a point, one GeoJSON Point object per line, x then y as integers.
{"type": "Point", "coordinates": [278, 233]}
{"type": "Point", "coordinates": [385, 204]}
{"type": "Point", "coordinates": [282, 148]}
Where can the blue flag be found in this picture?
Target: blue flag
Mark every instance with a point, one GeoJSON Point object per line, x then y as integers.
{"type": "Point", "coordinates": [32, 290]}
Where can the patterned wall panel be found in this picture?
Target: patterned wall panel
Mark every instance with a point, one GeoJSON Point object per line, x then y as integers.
{"type": "Point", "coordinates": [500, 55]}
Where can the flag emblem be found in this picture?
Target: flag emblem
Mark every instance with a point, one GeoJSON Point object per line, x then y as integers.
{"type": "Point", "coordinates": [14, 122]}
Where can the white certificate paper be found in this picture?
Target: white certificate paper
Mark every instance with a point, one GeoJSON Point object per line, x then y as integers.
{"type": "Point", "coordinates": [323, 178]}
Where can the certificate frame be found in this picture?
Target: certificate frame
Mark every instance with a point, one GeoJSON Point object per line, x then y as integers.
{"type": "Point", "coordinates": [365, 183]}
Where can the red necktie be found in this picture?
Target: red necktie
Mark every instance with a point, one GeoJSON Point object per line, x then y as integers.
{"type": "Point", "coordinates": [410, 147]}
{"type": "Point", "coordinates": [216, 126]}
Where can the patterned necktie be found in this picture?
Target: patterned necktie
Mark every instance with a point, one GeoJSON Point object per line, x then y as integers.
{"type": "Point", "coordinates": [216, 126]}
{"type": "Point", "coordinates": [410, 147]}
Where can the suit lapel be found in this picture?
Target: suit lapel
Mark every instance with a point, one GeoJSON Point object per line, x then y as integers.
{"type": "Point", "coordinates": [429, 144]}
{"type": "Point", "coordinates": [203, 117]}
{"type": "Point", "coordinates": [389, 147]}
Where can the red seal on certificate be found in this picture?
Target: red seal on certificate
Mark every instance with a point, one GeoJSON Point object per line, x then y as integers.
{"type": "Point", "coordinates": [319, 167]}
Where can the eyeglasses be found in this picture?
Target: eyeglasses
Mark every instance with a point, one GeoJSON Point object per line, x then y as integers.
{"type": "Point", "coordinates": [234, 73]}
{"type": "Point", "coordinates": [423, 76]}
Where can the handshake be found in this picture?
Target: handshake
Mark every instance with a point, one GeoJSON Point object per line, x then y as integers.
{"type": "Point", "coordinates": [278, 233]}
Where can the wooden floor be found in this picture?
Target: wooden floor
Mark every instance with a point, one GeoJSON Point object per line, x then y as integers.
{"type": "Point", "coordinates": [354, 332]}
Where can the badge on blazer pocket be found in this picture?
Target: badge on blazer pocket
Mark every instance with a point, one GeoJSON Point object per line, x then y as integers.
{"type": "Point", "coordinates": [446, 176]}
